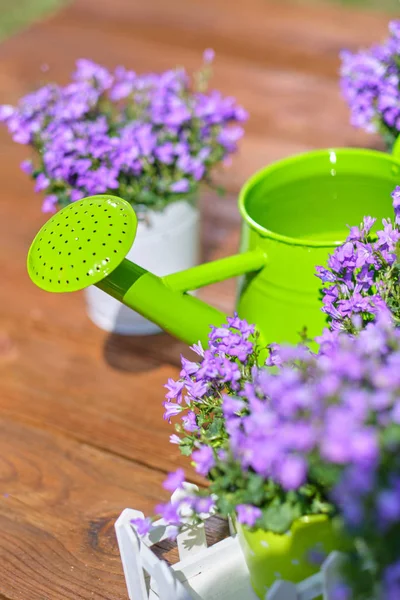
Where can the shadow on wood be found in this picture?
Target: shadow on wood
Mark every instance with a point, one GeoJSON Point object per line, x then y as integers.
{"type": "Point", "coordinates": [137, 354]}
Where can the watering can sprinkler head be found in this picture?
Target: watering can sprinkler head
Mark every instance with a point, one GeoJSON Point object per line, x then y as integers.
{"type": "Point", "coordinates": [82, 244]}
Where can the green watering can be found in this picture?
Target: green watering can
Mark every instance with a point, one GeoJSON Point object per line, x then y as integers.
{"type": "Point", "coordinates": [294, 214]}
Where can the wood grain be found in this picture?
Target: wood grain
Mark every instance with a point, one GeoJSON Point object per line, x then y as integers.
{"type": "Point", "coordinates": [59, 502]}
{"type": "Point", "coordinates": [81, 429]}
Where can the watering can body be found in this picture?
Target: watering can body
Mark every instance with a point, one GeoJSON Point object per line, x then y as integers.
{"type": "Point", "coordinates": [284, 297]}
{"type": "Point", "coordinates": [295, 213]}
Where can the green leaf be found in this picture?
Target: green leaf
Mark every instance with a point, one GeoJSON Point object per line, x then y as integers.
{"type": "Point", "coordinates": [255, 489]}
{"type": "Point", "coordinates": [226, 506]}
{"type": "Point", "coordinates": [391, 436]}
{"type": "Point", "coordinates": [279, 518]}
{"type": "Point", "coordinates": [326, 474]}
{"type": "Point", "coordinates": [186, 450]}
{"type": "Point", "coordinates": [216, 427]}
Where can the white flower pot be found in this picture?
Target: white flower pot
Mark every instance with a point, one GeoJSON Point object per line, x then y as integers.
{"type": "Point", "coordinates": [169, 243]}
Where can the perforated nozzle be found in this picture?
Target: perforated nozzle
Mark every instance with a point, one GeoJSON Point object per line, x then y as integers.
{"type": "Point", "coordinates": [82, 244]}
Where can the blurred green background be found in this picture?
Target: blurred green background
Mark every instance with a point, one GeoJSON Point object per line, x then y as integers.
{"type": "Point", "coordinates": [17, 14]}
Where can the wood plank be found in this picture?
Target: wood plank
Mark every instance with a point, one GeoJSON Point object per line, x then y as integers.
{"type": "Point", "coordinates": [59, 501]}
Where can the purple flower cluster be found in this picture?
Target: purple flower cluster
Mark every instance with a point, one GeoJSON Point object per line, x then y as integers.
{"type": "Point", "coordinates": [223, 369]}
{"type": "Point", "coordinates": [362, 278]}
{"type": "Point", "coordinates": [370, 84]}
{"type": "Point", "coordinates": [150, 138]}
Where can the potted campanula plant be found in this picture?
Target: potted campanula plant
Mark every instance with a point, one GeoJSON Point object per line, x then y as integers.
{"type": "Point", "coordinates": [249, 431]}
{"type": "Point", "coordinates": [303, 455]}
{"type": "Point", "coordinates": [151, 139]}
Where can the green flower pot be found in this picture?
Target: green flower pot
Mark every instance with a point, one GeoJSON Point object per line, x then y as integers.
{"type": "Point", "coordinates": [292, 556]}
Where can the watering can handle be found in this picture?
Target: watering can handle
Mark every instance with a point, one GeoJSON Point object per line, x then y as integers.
{"type": "Point", "coordinates": [215, 271]}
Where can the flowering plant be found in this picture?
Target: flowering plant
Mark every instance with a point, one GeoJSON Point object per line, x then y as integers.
{"type": "Point", "coordinates": [363, 274]}
{"type": "Point", "coordinates": [370, 82]}
{"type": "Point", "coordinates": [149, 138]}
{"type": "Point", "coordinates": [231, 427]}
{"type": "Point", "coordinates": [319, 434]}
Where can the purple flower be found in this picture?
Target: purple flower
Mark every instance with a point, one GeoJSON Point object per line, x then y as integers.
{"type": "Point", "coordinates": [174, 480]}
{"type": "Point", "coordinates": [42, 182]}
{"type": "Point", "coordinates": [241, 325]}
{"type": "Point", "coordinates": [391, 581]}
{"type": "Point", "coordinates": [247, 514]}
{"type": "Point", "coordinates": [76, 195]}
{"type": "Point", "coordinates": [196, 389]}
{"type": "Point", "coordinates": [123, 84]}
{"type": "Point", "coordinates": [208, 55]}
{"type": "Point", "coordinates": [172, 532]}
{"type": "Point", "coordinates": [171, 410]}
{"type": "Point", "coordinates": [142, 525]}
{"type": "Point", "coordinates": [87, 69]}
{"type": "Point", "coordinates": [175, 389]}
{"type": "Point", "coordinates": [396, 203]}
{"type": "Point", "coordinates": [27, 167]}
{"type": "Point", "coordinates": [180, 186]}
{"type": "Point", "coordinates": [165, 153]}
{"type": "Point", "coordinates": [188, 368]}
{"type": "Point", "coordinates": [364, 446]}
{"type": "Point", "coordinates": [388, 507]}
{"type": "Point", "coordinates": [203, 459]}
{"type": "Point", "coordinates": [325, 275]}
{"type": "Point", "coordinates": [389, 236]}
{"type": "Point", "coordinates": [169, 512]}
{"type": "Point", "coordinates": [341, 591]}
{"type": "Point", "coordinates": [292, 472]}
{"type": "Point", "coordinates": [174, 439]}
{"type": "Point", "coordinates": [204, 505]}
{"type": "Point", "coordinates": [229, 137]}
{"type": "Point", "coordinates": [198, 349]}
{"type": "Point", "coordinates": [230, 405]}
{"type": "Point", "coordinates": [367, 225]}
{"type": "Point", "coordinates": [6, 111]}
{"type": "Point", "coordinates": [189, 422]}
{"type": "Point", "coordinates": [49, 204]}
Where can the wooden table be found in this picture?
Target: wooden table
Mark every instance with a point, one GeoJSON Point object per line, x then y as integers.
{"type": "Point", "coordinates": [82, 435]}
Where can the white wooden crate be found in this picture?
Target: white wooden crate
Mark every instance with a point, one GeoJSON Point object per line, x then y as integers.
{"type": "Point", "coordinates": [215, 573]}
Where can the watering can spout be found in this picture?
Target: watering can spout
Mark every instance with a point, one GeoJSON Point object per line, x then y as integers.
{"type": "Point", "coordinates": [86, 244]}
